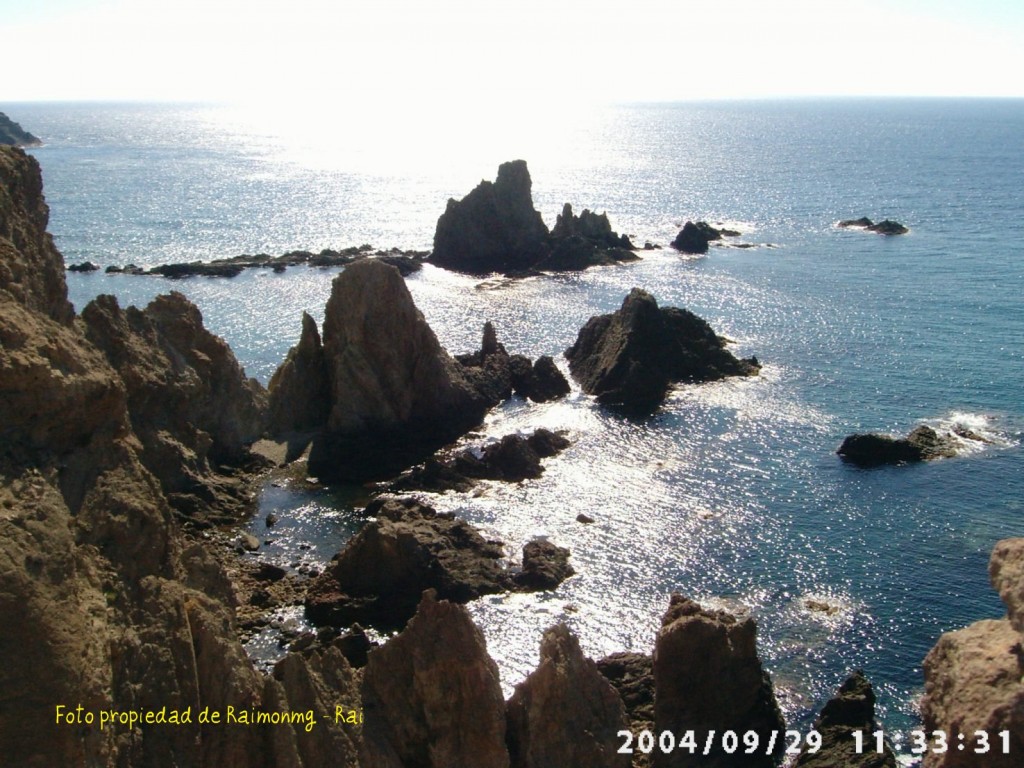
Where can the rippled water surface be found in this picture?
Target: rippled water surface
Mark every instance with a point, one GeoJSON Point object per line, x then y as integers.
{"type": "Point", "coordinates": [731, 493]}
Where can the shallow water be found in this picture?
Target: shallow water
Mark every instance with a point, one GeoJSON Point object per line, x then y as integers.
{"type": "Point", "coordinates": [731, 493]}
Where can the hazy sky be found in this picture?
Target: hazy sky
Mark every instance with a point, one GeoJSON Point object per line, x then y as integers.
{"type": "Point", "coordinates": [414, 53]}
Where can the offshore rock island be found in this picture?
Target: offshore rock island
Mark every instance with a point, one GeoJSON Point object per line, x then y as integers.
{"type": "Point", "coordinates": [124, 432]}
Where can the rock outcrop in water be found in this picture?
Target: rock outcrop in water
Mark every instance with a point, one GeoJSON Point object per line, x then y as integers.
{"type": "Point", "coordinates": [974, 677]}
{"type": "Point", "coordinates": [380, 390]}
{"type": "Point", "coordinates": [14, 135]}
{"type": "Point", "coordinates": [695, 238]}
{"type": "Point", "coordinates": [886, 227]}
{"type": "Point", "coordinates": [378, 577]}
{"type": "Point", "coordinates": [495, 228]}
{"type": "Point", "coordinates": [708, 677]}
{"type": "Point", "coordinates": [851, 710]}
{"type": "Point", "coordinates": [188, 400]}
{"type": "Point", "coordinates": [631, 357]}
{"type": "Point", "coordinates": [922, 444]}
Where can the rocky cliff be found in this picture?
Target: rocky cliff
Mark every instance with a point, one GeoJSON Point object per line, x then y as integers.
{"type": "Point", "coordinates": [13, 134]}
{"type": "Point", "coordinates": [974, 677]}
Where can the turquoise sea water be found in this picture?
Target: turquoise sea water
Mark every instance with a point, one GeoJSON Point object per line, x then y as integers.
{"type": "Point", "coordinates": [731, 493]}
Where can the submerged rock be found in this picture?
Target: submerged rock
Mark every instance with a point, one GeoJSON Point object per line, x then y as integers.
{"type": "Point", "coordinates": [565, 713]}
{"type": "Point", "coordinates": [886, 227]}
{"type": "Point", "coordinates": [630, 357]}
{"type": "Point", "coordinates": [851, 710]}
{"type": "Point", "coordinates": [708, 677]}
{"type": "Point", "coordinates": [873, 450]}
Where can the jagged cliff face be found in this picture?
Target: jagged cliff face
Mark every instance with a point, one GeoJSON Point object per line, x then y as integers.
{"type": "Point", "coordinates": [31, 269]}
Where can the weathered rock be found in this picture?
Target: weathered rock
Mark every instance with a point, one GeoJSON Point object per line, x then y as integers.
{"type": "Point", "coordinates": [539, 381]}
{"type": "Point", "coordinates": [382, 571]}
{"type": "Point", "coordinates": [396, 395]}
{"type": "Point", "coordinates": [189, 400]}
{"type": "Point", "coordinates": [545, 566]}
{"type": "Point", "coordinates": [692, 238]}
{"type": "Point", "coordinates": [495, 228]}
{"type": "Point", "coordinates": [85, 266]}
{"type": "Point", "coordinates": [852, 709]}
{"type": "Point", "coordinates": [630, 357]}
{"type": "Point", "coordinates": [13, 134]}
{"type": "Point", "coordinates": [872, 449]}
{"type": "Point", "coordinates": [632, 675]}
{"type": "Point", "coordinates": [299, 390]}
{"type": "Point", "coordinates": [974, 677]}
{"type": "Point", "coordinates": [886, 227]}
{"type": "Point", "coordinates": [708, 677]}
{"type": "Point", "coordinates": [587, 240]}
{"type": "Point", "coordinates": [1006, 572]}
{"type": "Point", "coordinates": [565, 713]}
{"type": "Point", "coordinates": [513, 459]}
{"type": "Point", "coordinates": [590, 226]}
{"type": "Point", "coordinates": [432, 695]}
{"type": "Point", "coordinates": [489, 369]}
{"type": "Point", "coordinates": [31, 268]}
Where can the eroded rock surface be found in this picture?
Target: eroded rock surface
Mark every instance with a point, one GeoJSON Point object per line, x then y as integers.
{"type": "Point", "coordinates": [708, 676]}
{"type": "Point", "coordinates": [873, 449]}
{"type": "Point", "coordinates": [630, 357]}
{"type": "Point", "coordinates": [973, 676]}
{"type": "Point", "coordinates": [565, 713]}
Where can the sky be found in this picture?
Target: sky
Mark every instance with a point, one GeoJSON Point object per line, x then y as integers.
{"type": "Point", "coordinates": [411, 54]}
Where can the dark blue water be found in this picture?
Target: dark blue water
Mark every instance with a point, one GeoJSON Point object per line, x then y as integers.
{"type": "Point", "coordinates": [732, 492]}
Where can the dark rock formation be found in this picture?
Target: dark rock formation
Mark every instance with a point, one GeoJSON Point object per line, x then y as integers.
{"type": "Point", "coordinates": [14, 135]}
{"type": "Point", "coordinates": [545, 566]}
{"type": "Point", "coordinates": [708, 677]}
{"type": "Point", "coordinates": [396, 396]}
{"type": "Point", "coordinates": [85, 266]}
{"type": "Point", "coordinates": [630, 357]}
{"type": "Point", "coordinates": [886, 227]}
{"type": "Point", "coordinates": [432, 696]}
{"type": "Point", "coordinates": [379, 575]}
{"type": "Point", "coordinates": [872, 450]}
{"type": "Point", "coordinates": [513, 458]}
{"type": "Point", "coordinates": [495, 228]}
{"type": "Point", "coordinates": [377, 578]}
{"type": "Point", "coordinates": [632, 675]}
{"type": "Point", "coordinates": [188, 398]}
{"type": "Point", "coordinates": [31, 269]}
{"type": "Point", "coordinates": [694, 238]}
{"type": "Point", "coordinates": [406, 262]}
{"type": "Point", "coordinates": [539, 381]}
{"type": "Point", "coordinates": [973, 676]}
{"type": "Point", "coordinates": [565, 713]}
{"type": "Point", "coordinates": [300, 390]}
{"type": "Point", "coordinates": [852, 709]}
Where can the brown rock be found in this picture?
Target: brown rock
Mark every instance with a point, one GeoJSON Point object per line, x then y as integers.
{"type": "Point", "coordinates": [545, 566]}
{"type": "Point", "coordinates": [300, 390]}
{"type": "Point", "coordinates": [565, 713]}
{"type": "Point", "coordinates": [1006, 571]}
{"type": "Point", "coordinates": [432, 695]}
{"type": "Point", "coordinates": [396, 395]}
{"type": "Point", "coordinates": [31, 268]}
{"type": "Point", "coordinates": [708, 677]}
{"type": "Point", "coordinates": [851, 710]}
{"type": "Point", "coordinates": [188, 398]}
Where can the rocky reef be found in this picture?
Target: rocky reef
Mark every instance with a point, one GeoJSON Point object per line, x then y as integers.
{"type": "Point", "coordinates": [886, 227]}
{"type": "Point", "coordinates": [922, 444]}
{"type": "Point", "coordinates": [630, 358]}
{"type": "Point", "coordinates": [408, 548]}
{"type": "Point", "coordinates": [974, 677]}
{"type": "Point", "coordinates": [695, 238]}
{"type": "Point", "coordinates": [379, 393]}
{"type": "Point", "coordinates": [495, 228]}
{"type": "Point", "coordinates": [13, 134]}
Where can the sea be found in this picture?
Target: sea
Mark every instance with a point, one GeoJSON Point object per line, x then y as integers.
{"type": "Point", "coordinates": [731, 493]}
